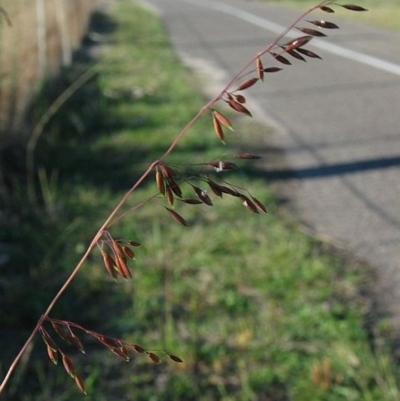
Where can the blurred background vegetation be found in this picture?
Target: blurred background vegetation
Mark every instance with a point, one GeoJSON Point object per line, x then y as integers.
{"type": "Point", "coordinates": [257, 309]}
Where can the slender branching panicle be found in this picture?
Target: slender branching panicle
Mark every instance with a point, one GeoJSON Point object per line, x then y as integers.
{"type": "Point", "coordinates": [176, 184]}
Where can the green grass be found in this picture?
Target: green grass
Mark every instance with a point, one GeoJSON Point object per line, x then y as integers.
{"type": "Point", "coordinates": [380, 13]}
{"type": "Point", "coordinates": [257, 310]}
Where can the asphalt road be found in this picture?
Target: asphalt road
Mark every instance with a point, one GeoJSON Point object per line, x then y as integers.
{"type": "Point", "coordinates": [336, 149]}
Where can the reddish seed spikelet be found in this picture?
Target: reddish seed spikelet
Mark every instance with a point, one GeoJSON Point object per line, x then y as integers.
{"type": "Point", "coordinates": [123, 268]}
{"type": "Point", "coordinates": [324, 24]}
{"type": "Point", "coordinates": [296, 43]}
{"type": "Point", "coordinates": [169, 195]}
{"type": "Point", "coordinates": [53, 355]}
{"type": "Point", "coordinates": [294, 54]}
{"type": "Point", "coordinates": [173, 185]}
{"type": "Point", "coordinates": [192, 201]}
{"type": "Point", "coordinates": [128, 252]}
{"type": "Point", "coordinates": [138, 348]}
{"type": "Point", "coordinates": [272, 69]}
{"type": "Point", "coordinates": [175, 358]}
{"type": "Point", "coordinates": [260, 69]}
{"type": "Point", "coordinates": [280, 58]}
{"type": "Point", "coordinates": [259, 204]}
{"type": "Point", "coordinates": [215, 188]}
{"type": "Point", "coordinates": [327, 9]}
{"type": "Point", "coordinates": [223, 165]}
{"type": "Point", "coordinates": [68, 366]}
{"type": "Point", "coordinates": [310, 31]}
{"type": "Point", "coordinates": [240, 98]}
{"type": "Point", "coordinates": [248, 156]}
{"type": "Point", "coordinates": [134, 243]}
{"type": "Point", "coordinates": [239, 107]}
{"type": "Point", "coordinates": [109, 264]}
{"type": "Point", "coordinates": [352, 7]}
{"type": "Point", "coordinates": [218, 129]}
{"type": "Point", "coordinates": [48, 340]}
{"type": "Point", "coordinates": [121, 352]}
{"type": "Point", "coordinates": [202, 194]}
{"type": "Point", "coordinates": [154, 357]}
{"type": "Point", "coordinates": [74, 340]}
{"type": "Point", "coordinates": [81, 385]}
{"type": "Point", "coordinates": [308, 53]}
{"type": "Point", "coordinates": [249, 204]}
{"type": "Point", "coordinates": [222, 119]}
{"type": "Point", "coordinates": [177, 217]}
{"type": "Point", "coordinates": [109, 342]}
{"type": "Point", "coordinates": [160, 182]}
{"type": "Point", "coordinates": [247, 84]}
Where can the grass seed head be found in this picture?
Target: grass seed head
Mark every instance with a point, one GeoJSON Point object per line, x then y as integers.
{"type": "Point", "coordinates": [68, 366]}
{"type": "Point", "coordinates": [218, 129]}
{"type": "Point", "coordinates": [260, 69]}
{"type": "Point", "coordinates": [53, 354]}
{"type": "Point", "coordinates": [154, 357]}
{"type": "Point", "coordinates": [160, 182]}
{"type": "Point", "coordinates": [177, 217]}
{"type": "Point", "coordinates": [175, 358]}
{"type": "Point", "coordinates": [80, 383]}
{"type": "Point", "coordinates": [247, 84]}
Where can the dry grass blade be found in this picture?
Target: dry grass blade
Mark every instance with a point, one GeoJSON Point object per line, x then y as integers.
{"type": "Point", "coordinates": [247, 84]}
{"type": "Point", "coordinates": [177, 217]}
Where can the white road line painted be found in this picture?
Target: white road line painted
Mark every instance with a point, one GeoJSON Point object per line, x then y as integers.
{"type": "Point", "coordinates": [323, 45]}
